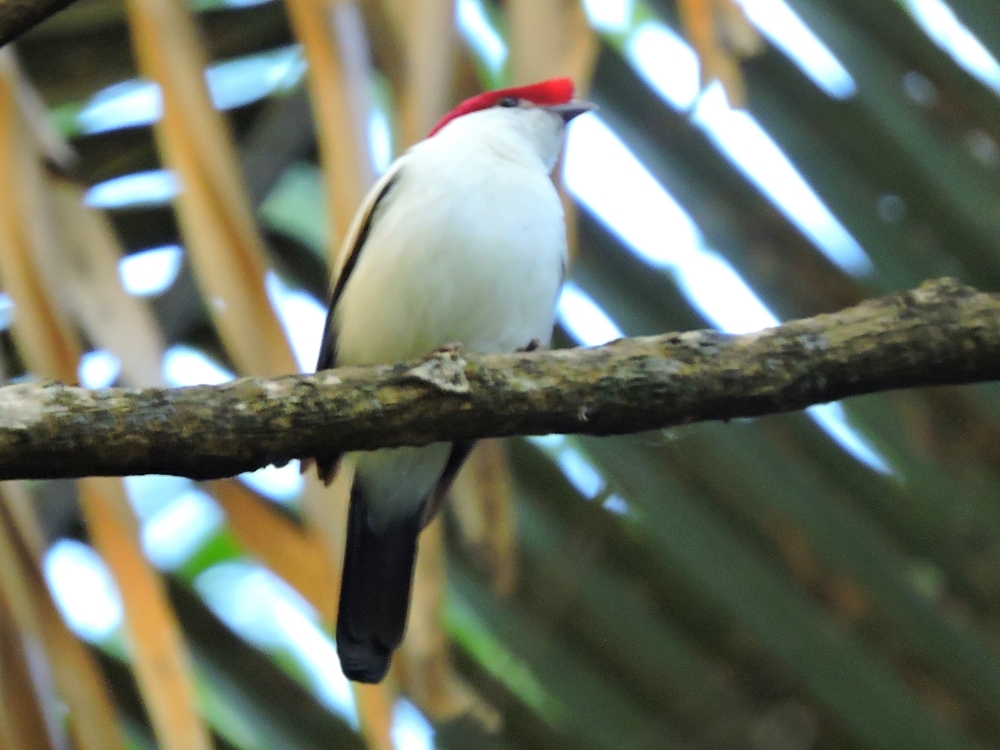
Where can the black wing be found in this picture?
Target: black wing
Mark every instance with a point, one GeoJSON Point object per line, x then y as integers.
{"type": "Point", "coordinates": [362, 228]}
{"type": "Point", "coordinates": [326, 465]}
{"type": "Point", "coordinates": [459, 452]}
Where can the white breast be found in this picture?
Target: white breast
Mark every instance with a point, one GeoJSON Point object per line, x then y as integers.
{"type": "Point", "coordinates": [468, 246]}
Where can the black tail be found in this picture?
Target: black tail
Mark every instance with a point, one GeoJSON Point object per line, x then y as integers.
{"type": "Point", "coordinates": [374, 591]}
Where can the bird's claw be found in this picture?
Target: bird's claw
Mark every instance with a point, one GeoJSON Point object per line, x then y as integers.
{"type": "Point", "coordinates": [531, 346]}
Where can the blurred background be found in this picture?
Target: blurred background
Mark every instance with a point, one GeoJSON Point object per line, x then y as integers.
{"type": "Point", "coordinates": [175, 177]}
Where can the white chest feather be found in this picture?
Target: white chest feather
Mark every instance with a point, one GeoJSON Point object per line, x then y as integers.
{"type": "Point", "coordinates": [468, 250]}
{"type": "Point", "coordinates": [468, 246]}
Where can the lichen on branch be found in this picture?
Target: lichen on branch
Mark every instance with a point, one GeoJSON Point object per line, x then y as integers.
{"type": "Point", "coordinates": [941, 333]}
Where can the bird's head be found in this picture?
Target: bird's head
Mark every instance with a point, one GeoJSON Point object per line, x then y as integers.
{"type": "Point", "coordinates": [536, 114]}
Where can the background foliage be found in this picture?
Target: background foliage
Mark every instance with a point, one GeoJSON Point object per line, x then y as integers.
{"type": "Point", "coordinates": [821, 580]}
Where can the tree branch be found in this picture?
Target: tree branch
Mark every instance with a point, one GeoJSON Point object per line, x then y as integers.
{"type": "Point", "coordinates": [18, 16]}
{"type": "Point", "coordinates": [941, 333]}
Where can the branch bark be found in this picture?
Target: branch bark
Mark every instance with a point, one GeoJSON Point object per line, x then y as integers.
{"type": "Point", "coordinates": [18, 16]}
{"type": "Point", "coordinates": [939, 334]}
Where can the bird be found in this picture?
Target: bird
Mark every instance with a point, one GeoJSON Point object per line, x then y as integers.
{"type": "Point", "coordinates": [461, 241]}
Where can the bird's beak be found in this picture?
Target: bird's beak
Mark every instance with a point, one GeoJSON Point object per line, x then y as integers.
{"type": "Point", "coordinates": [572, 109]}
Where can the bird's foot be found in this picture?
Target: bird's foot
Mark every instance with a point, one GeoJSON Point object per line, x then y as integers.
{"type": "Point", "coordinates": [531, 346]}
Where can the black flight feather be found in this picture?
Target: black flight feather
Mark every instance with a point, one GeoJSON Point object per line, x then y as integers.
{"type": "Point", "coordinates": [326, 465]}
{"type": "Point", "coordinates": [374, 590]}
{"type": "Point", "coordinates": [459, 452]}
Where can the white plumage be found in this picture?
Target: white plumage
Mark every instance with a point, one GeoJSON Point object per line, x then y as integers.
{"type": "Point", "coordinates": [462, 241]}
{"type": "Point", "coordinates": [468, 246]}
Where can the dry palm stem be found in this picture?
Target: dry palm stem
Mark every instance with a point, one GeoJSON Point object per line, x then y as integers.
{"type": "Point", "coordinates": [721, 34]}
{"type": "Point", "coordinates": [339, 77]}
{"type": "Point", "coordinates": [32, 250]}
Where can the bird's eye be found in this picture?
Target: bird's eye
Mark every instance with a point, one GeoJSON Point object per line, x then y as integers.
{"type": "Point", "coordinates": [507, 101]}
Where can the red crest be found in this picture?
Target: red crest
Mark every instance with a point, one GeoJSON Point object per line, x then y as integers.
{"type": "Point", "coordinates": [553, 91]}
